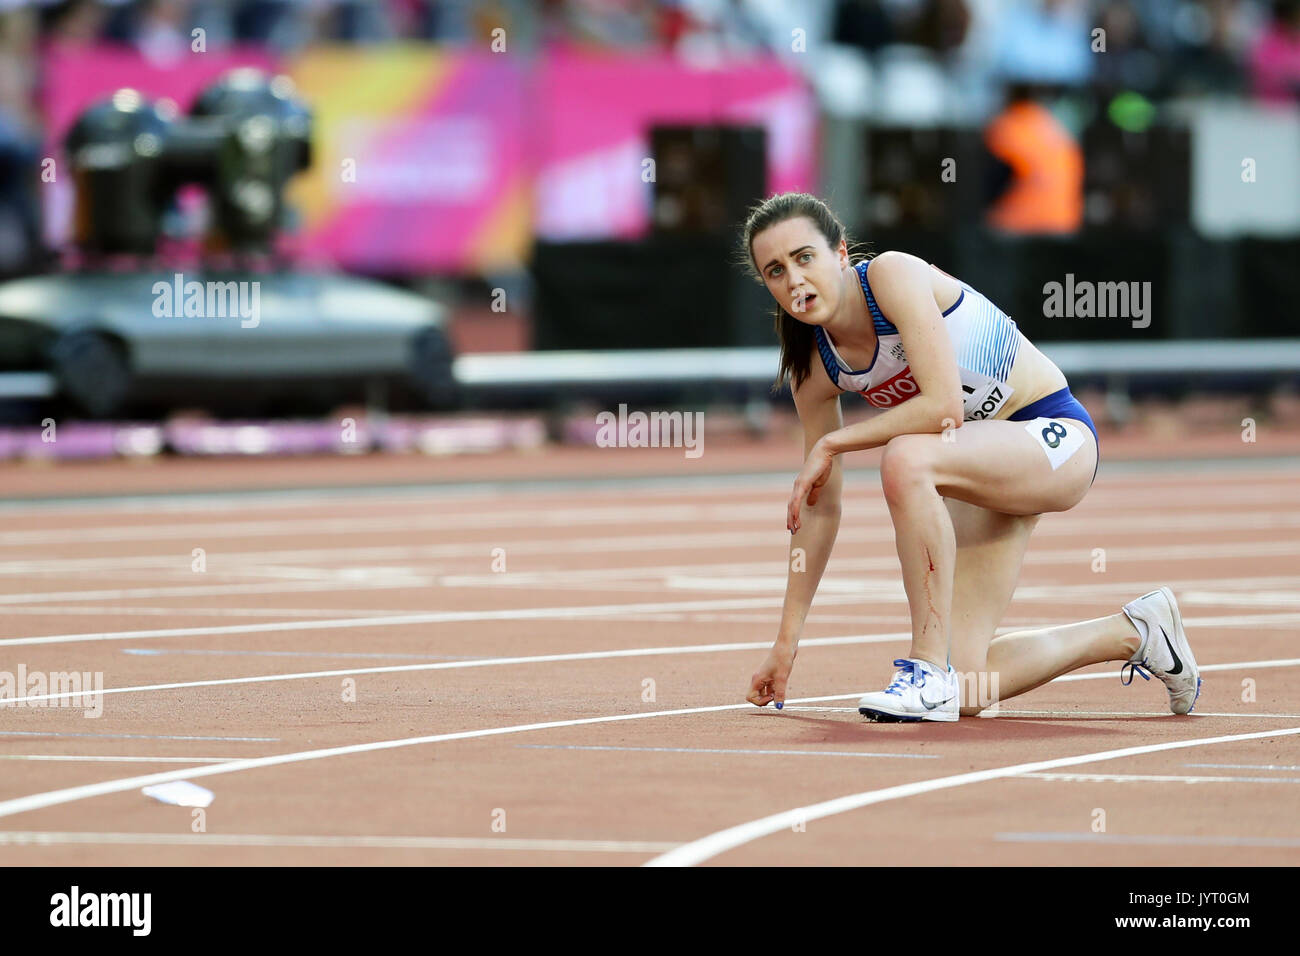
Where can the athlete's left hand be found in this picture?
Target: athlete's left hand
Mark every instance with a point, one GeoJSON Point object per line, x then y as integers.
{"type": "Point", "coordinates": [816, 472]}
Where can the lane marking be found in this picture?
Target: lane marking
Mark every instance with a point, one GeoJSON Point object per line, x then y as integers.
{"type": "Point", "coordinates": [1072, 714]}
{"type": "Point", "coordinates": [119, 610]}
{"type": "Point", "coordinates": [74, 757]}
{"type": "Point", "coordinates": [198, 590]}
{"type": "Point", "coordinates": [1236, 666]}
{"type": "Point", "coordinates": [156, 651]}
{"type": "Point", "coordinates": [51, 798]}
{"type": "Point", "coordinates": [853, 639]}
{"type": "Point", "coordinates": [1151, 778]}
{"type": "Point", "coordinates": [1147, 839]}
{"type": "Point", "coordinates": [72, 794]}
{"type": "Point", "coordinates": [1128, 478]}
{"type": "Point", "coordinates": [721, 512]}
{"type": "Point", "coordinates": [482, 662]}
{"type": "Point", "coordinates": [55, 733]}
{"type": "Point", "coordinates": [649, 578]}
{"type": "Point", "coordinates": [857, 595]}
{"type": "Point", "coordinates": [407, 522]}
{"type": "Point", "coordinates": [614, 544]}
{"type": "Point", "coordinates": [569, 612]}
{"type": "Point", "coordinates": [54, 838]}
{"type": "Point", "coordinates": [1138, 713]}
{"type": "Point", "coordinates": [1244, 766]}
{"type": "Point", "coordinates": [705, 848]}
{"type": "Point", "coordinates": [710, 750]}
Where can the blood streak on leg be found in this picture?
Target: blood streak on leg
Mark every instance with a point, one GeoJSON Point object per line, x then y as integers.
{"type": "Point", "coordinates": [929, 599]}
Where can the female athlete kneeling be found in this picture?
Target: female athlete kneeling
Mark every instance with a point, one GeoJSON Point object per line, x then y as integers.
{"type": "Point", "coordinates": [981, 437]}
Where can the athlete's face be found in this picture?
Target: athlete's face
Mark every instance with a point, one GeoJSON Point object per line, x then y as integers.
{"type": "Point", "coordinates": [801, 271]}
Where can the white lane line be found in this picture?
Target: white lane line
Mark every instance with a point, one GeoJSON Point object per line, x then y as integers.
{"type": "Point", "coordinates": [157, 651]}
{"type": "Point", "coordinates": [442, 523]}
{"type": "Point", "coordinates": [83, 759]}
{"type": "Point", "coordinates": [1240, 598]}
{"type": "Point", "coordinates": [1148, 839]}
{"type": "Point", "coordinates": [436, 617]}
{"type": "Point", "coordinates": [682, 540]}
{"type": "Point", "coordinates": [51, 798]}
{"type": "Point", "coordinates": [827, 710]}
{"type": "Point", "coordinates": [721, 511]}
{"type": "Point", "coordinates": [839, 593]}
{"type": "Point", "coordinates": [54, 838]}
{"type": "Point", "coordinates": [1126, 714]}
{"type": "Point", "coordinates": [54, 733]}
{"type": "Point", "coordinates": [643, 577]}
{"type": "Point", "coordinates": [750, 753]}
{"type": "Point", "coordinates": [40, 610]}
{"type": "Point", "coordinates": [852, 639]}
{"type": "Point", "coordinates": [207, 590]}
{"type": "Point", "coordinates": [482, 662]}
{"type": "Point", "coordinates": [657, 576]}
{"type": "Point", "coordinates": [1205, 668]}
{"type": "Point", "coordinates": [1127, 483]}
{"type": "Point", "coordinates": [1004, 712]}
{"type": "Point", "coordinates": [71, 794]}
{"type": "Point", "coordinates": [1150, 778]}
{"type": "Point", "coordinates": [705, 848]}
{"type": "Point", "coordinates": [1245, 766]}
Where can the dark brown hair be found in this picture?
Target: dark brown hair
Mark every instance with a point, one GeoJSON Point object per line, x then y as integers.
{"type": "Point", "coordinates": [796, 337]}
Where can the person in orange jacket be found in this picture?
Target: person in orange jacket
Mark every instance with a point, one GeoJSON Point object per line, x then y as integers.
{"type": "Point", "coordinates": [1039, 168]}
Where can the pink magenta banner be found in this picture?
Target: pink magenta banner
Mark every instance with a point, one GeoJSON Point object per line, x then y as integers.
{"type": "Point", "coordinates": [598, 113]}
{"type": "Point", "coordinates": [421, 160]}
{"type": "Point", "coordinates": [426, 160]}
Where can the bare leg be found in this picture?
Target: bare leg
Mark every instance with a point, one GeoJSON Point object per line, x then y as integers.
{"type": "Point", "coordinates": [1024, 660]}
{"type": "Point", "coordinates": [990, 551]}
{"type": "Point", "coordinates": [995, 468]}
{"type": "Point", "coordinates": [927, 550]}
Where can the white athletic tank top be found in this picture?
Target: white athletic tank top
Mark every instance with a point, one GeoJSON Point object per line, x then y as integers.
{"type": "Point", "coordinates": [984, 339]}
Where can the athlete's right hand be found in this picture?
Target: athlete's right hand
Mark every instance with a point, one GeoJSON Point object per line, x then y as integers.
{"type": "Point", "coordinates": [769, 682]}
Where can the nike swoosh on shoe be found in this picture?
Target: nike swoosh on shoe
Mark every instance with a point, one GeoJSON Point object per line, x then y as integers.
{"type": "Point", "coordinates": [1178, 664]}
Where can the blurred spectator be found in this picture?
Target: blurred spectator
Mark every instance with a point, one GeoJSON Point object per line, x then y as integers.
{"type": "Point", "coordinates": [1038, 180]}
{"type": "Point", "coordinates": [943, 25]}
{"type": "Point", "coordinates": [612, 23]}
{"type": "Point", "coordinates": [74, 22]}
{"type": "Point", "coordinates": [1275, 61]}
{"type": "Point", "coordinates": [1210, 39]}
{"type": "Point", "coordinates": [1128, 62]}
{"type": "Point", "coordinates": [709, 31]}
{"type": "Point", "coordinates": [863, 24]}
{"type": "Point", "coordinates": [162, 30]}
{"type": "Point", "coordinates": [1044, 42]}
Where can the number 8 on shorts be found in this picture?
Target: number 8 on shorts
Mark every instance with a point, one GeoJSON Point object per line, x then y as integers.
{"type": "Point", "coordinates": [1060, 439]}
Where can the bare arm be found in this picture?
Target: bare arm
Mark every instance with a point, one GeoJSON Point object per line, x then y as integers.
{"type": "Point", "coordinates": [810, 547]}
{"type": "Point", "coordinates": [818, 402]}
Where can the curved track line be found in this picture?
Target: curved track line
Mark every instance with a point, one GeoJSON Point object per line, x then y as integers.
{"type": "Point", "coordinates": [37, 699]}
{"type": "Point", "coordinates": [71, 794]}
{"type": "Point", "coordinates": [6, 702]}
{"type": "Point", "coordinates": [710, 846]}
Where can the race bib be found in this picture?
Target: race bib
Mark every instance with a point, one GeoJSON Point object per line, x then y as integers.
{"type": "Point", "coordinates": [982, 396]}
{"type": "Point", "coordinates": [1058, 439]}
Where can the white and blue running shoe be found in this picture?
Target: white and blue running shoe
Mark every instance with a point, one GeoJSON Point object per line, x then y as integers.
{"type": "Point", "coordinates": [919, 691]}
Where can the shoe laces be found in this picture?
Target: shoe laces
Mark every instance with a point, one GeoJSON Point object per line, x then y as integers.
{"type": "Point", "coordinates": [1133, 668]}
{"type": "Point", "coordinates": [907, 673]}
